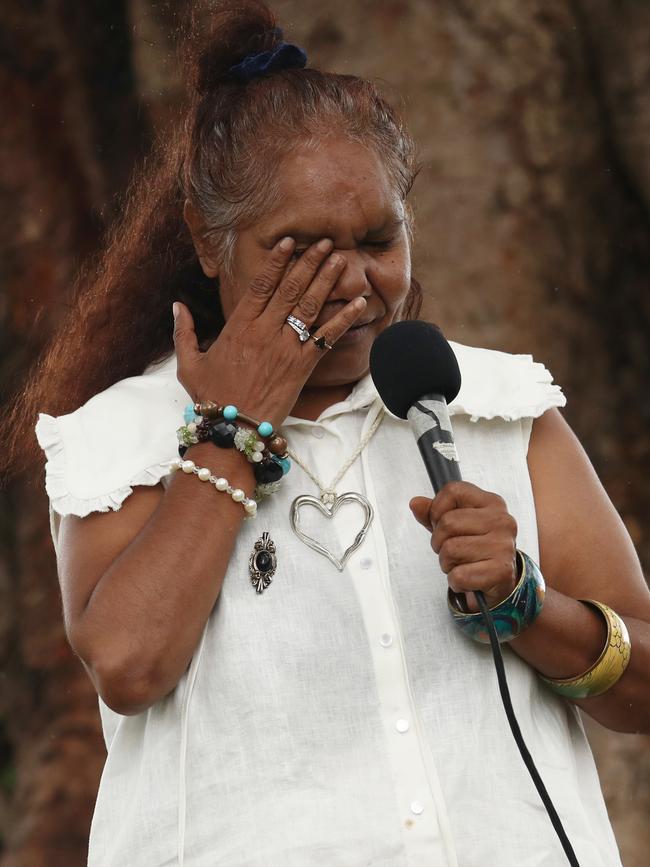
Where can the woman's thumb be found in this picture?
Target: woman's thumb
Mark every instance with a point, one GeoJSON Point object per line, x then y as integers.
{"type": "Point", "coordinates": [420, 508]}
{"type": "Point", "coordinates": [184, 334]}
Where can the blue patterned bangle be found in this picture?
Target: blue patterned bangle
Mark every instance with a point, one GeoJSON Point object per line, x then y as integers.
{"type": "Point", "coordinates": [514, 614]}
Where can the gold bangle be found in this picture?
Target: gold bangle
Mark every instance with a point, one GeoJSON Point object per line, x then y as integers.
{"type": "Point", "coordinates": [609, 666]}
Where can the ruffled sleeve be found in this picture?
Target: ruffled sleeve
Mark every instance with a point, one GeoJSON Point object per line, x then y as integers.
{"type": "Point", "coordinates": [122, 437]}
{"type": "Point", "coordinates": [502, 385]}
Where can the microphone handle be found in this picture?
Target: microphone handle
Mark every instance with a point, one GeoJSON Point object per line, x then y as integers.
{"type": "Point", "coordinates": [429, 419]}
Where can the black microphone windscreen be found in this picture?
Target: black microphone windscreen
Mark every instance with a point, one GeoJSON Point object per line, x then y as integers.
{"type": "Point", "coordinates": [410, 359]}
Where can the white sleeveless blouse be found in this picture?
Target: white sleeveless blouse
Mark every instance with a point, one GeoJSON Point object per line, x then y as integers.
{"type": "Point", "coordinates": [337, 718]}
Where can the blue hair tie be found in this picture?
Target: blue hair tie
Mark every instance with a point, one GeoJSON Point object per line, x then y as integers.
{"type": "Point", "coordinates": [285, 56]}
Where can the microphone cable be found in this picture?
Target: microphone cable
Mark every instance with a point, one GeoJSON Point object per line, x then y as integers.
{"type": "Point", "coordinates": [516, 732]}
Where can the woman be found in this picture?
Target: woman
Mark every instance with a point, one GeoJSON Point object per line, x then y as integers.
{"type": "Point", "coordinates": [319, 705]}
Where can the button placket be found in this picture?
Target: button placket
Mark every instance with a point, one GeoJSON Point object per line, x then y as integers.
{"type": "Point", "coordinates": [422, 838]}
{"type": "Point", "coordinates": [428, 838]}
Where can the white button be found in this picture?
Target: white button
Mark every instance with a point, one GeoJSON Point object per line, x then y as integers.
{"type": "Point", "coordinates": [386, 640]}
{"type": "Point", "coordinates": [318, 432]}
{"type": "Point", "coordinates": [416, 807]}
{"type": "Point", "coordinates": [365, 563]}
{"type": "Point", "coordinates": [402, 725]}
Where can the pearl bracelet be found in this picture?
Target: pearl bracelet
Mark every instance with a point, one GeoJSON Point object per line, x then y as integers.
{"type": "Point", "coordinates": [221, 484]}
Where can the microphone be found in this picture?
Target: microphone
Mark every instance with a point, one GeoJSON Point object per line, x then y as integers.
{"type": "Point", "coordinates": [416, 374]}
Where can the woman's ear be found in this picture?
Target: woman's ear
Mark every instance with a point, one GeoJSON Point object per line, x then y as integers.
{"type": "Point", "coordinates": [197, 227]}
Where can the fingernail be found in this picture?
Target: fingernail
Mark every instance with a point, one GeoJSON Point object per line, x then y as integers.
{"type": "Point", "coordinates": [175, 309]}
{"type": "Point", "coordinates": [286, 244]}
{"type": "Point", "coordinates": [324, 245]}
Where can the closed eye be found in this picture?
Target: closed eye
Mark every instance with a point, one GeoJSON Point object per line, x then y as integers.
{"type": "Point", "coordinates": [386, 244]}
{"type": "Point", "coordinates": [375, 245]}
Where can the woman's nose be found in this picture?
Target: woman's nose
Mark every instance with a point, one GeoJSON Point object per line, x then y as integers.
{"type": "Point", "coordinates": [353, 280]}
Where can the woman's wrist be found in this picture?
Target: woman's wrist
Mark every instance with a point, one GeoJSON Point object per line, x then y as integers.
{"type": "Point", "coordinates": [605, 671]}
{"type": "Point", "coordinates": [566, 638]}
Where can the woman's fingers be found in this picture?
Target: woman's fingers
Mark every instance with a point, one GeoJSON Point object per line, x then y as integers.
{"type": "Point", "coordinates": [495, 579]}
{"type": "Point", "coordinates": [472, 522]}
{"type": "Point", "coordinates": [474, 536]}
{"type": "Point", "coordinates": [469, 549]}
{"type": "Point", "coordinates": [265, 284]}
{"type": "Point", "coordinates": [339, 324]}
{"type": "Point", "coordinates": [295, 283]}
{"type": "Point", "coordinates": [461, 494]}
{"type": "Point", "coordinates": [311, 302]}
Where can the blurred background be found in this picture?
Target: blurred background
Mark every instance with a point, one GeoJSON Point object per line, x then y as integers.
{"type": "Point", "coordinates": [531, 237]}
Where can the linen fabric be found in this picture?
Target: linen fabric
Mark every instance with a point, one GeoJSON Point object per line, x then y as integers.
{"type": "Point", "coordinates": [338, 718]}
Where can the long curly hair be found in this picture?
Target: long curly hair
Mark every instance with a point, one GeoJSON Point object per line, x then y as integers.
{"type": "Point", "coordinates": [221, 155]}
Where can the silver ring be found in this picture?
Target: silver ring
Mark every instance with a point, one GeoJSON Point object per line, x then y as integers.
{"type": "Point", "coordinates": [320, 342]}
{"type": "Point", "coordinates": [299, 327]}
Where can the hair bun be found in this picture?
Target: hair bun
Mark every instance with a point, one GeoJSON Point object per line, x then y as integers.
{"type": "Point", "coordinates": [221, 34]}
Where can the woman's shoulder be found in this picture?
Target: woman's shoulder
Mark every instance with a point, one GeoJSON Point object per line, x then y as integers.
{"type": "Point", "coordinates": [123, 436]}
{"type": "Point", "coordinates": [497, 384]}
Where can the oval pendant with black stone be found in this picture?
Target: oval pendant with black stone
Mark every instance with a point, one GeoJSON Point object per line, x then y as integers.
{"type": "Point", "coordinates": [262, 563]}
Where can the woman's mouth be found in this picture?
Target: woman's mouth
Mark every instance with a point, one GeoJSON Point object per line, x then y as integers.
{"type": "Point", "coordinates": [356, 333]}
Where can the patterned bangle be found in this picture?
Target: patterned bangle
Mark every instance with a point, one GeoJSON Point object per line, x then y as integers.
{"type": "Point", "coordinates": [221, 484]}
{"type": "Point", "coordinates": [516, 613]}
{"type": "Point", "coordinates": [609, 666]}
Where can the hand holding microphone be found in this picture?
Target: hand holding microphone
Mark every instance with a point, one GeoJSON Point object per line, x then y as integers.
{"type": "Point", "coordinates": [475, 539]}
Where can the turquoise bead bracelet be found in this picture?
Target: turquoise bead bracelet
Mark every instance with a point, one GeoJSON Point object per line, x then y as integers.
{"type": "Point", "coordinates": [211, 410]}
{"type": "Point", "coordinates": [516, 613]}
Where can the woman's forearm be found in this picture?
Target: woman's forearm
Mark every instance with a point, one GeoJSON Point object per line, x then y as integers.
{"type": "Point", "coordinates": [568, 637]}
{"type": "Point", "coordinates": [145, 616]}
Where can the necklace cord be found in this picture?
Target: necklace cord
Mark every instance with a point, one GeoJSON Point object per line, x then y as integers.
{"type": "Point", "coordinates": [346, 466]}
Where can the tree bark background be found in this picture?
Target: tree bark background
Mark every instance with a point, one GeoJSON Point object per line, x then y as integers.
{"type": "Point", "coordinates": [532, 229]}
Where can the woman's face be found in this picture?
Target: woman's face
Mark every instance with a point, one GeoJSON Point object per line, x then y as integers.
{"type": "Point", "coordinates": [341, 192]}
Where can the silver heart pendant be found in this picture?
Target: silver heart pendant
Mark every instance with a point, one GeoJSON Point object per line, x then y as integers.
{"type": "Point", "coordinates": [329, 511]}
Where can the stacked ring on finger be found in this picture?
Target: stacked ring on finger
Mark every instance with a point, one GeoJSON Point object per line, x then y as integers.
{"type": "Point", "coordinates": [299, 327]}
{"type": "Point", "coordinates": [321, 342]}
{"type": "Point", "coordinates": [303, 332]}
